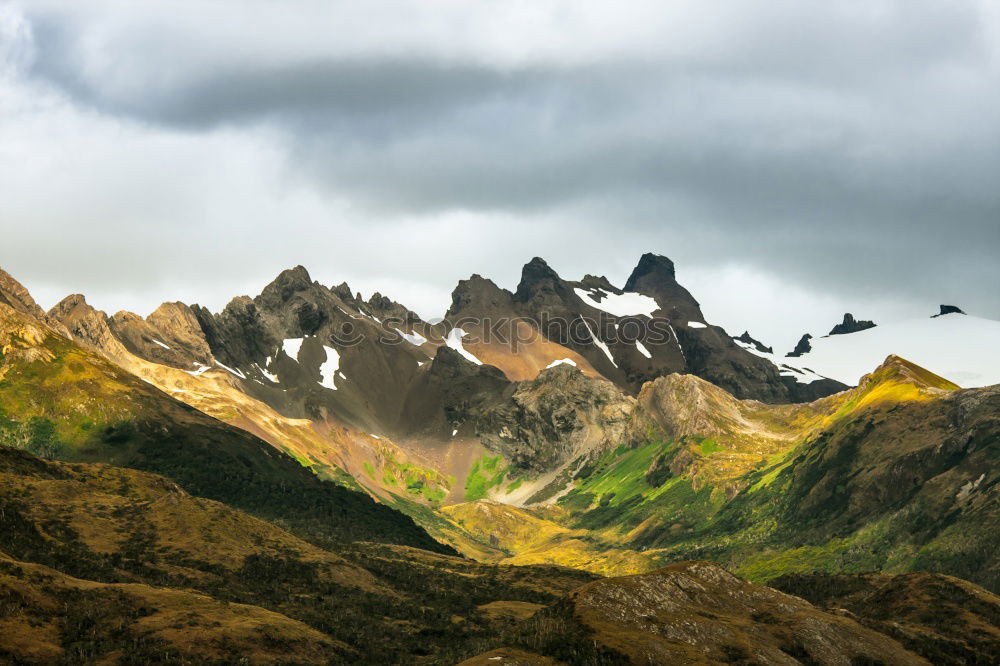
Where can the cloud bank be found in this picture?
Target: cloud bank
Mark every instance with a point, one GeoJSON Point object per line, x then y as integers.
{"type": "Point", "coordinates": [795, 160]}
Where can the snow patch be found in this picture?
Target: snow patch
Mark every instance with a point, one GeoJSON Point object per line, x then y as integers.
{"type": "Point", "coordinates": [599, 343]}
{"type": "Point", "coordinates": [329, 369]}
{"type": "Point", "coordinates": [455, 342]}
{"type": "Point", "coordinates": [231, 371]}
{"type": "Point", "coordinates": [454, 432]}
{"type": "Point", "coordinates": [292, 347]}
{"type": "Point", "coordinates": [413, 338]}
{"type": "Point", "coordinates": [567, 361]}
{"type": "Point", "coordinates": [679, 348]}
{"type": "Point", "coordinates": [201, 369]}
{"type": "Point", "coordinates": [271, 377]}
{"type": "Point", "coordinates": [620, 305]}
{"type": "Point", "coordinates": [642, 349]}
{"type": "Point", "coordinates": [696, 324]}
{"type": "Point", "coordinates": [155, 341]}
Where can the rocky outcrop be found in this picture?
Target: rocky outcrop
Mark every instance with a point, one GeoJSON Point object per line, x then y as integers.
{"type": "Point", "coordinates": [712, 355]}
{"type": "Point", "coordinates": [451, 395]}
{"type": "Point", "coordinates": [851, 325]}
{"type": "Point", "coordinates": [386, 309]}
{"type": "Point", "coordinates": [171, 335]}
{"type": "Point", "coordinates": [756, 344]}
{"type": "Point", "coordinates": [557, 417]}
{"type": "Point", "coordinates": [949, 309]}
{"type": "Point", "coordinates": [16, 296]}
{"type": "Point", "coordinates": [697, 612]}
{"type": "Point", "coordinates": [88, 326]}
{"type": "Point", "coordinates": [801, 347]}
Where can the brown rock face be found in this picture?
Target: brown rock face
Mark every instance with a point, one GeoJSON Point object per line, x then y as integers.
{"type": "Point", "coordinates": [171, 335]}
{"type": "Point", "coordinates": [555, 418]}
{"type": "Point", "coordinates": [698, 613]}
{"type": "Point", "coordinates": [16, 296]}
{"type": "Point", "coordinates": [654, 276]}
{"type": "Point", "coordinates": [88, 326]}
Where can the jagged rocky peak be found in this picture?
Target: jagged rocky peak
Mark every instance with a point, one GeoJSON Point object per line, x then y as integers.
{"type": "Point", "coordinates": [385, 308]}
{"type": "Point", "coordinates": [72, 304]}
{"type": "Point", "coordinates": [537, 277]}
{"type": "Point", "coordinates": [745, 338]}
{"type": "Point", "coordinates": [598, 282]}
{"type": "Point", "coordinates": [344, 293]}
{"type": "Point", "coordinates": [286, 284]}
{"type": "Point", "coordinates": [851, 325]}
{"type": "Point", "coordinates": [14, 294]}
{"type": "Point", "coordinates": [380, 302]}
{"type": "Point", "coordinates": [801, 347]}
{"type": "Point", "coordinates": [949, 309]}
{"type": "Point", "coordinates": [295, 304]}
{"type": "Point", "coordinates": [655, 276]}
{"type": "Point", "coordinates": [86, 325]}
{"type": "Point", "coordinates": [651, 267]}
{"type": "Point", "coordinates": [478, 294]}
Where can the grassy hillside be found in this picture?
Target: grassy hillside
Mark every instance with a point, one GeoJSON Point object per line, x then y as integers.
{"type": "Point", "coordinates": [111, 558]}
{"type": "Point", "coordinates": [899, 474]}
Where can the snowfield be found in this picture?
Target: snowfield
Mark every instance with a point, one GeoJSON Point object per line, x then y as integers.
{"type": "Point", "coordinates": [620, 305]}
{"type": "Point", "coordinates": [960, 348]}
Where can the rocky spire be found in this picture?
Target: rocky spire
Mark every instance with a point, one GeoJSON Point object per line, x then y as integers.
{"type": "Point", "coordinates": [949, 309]}
{"type": "Point", "coordinates": [803, 346]}
{"type": "Point", "coordinates": [851, 325]}
{"type": "Point", "coordinates": [651, 268]}
{"type": "Point", "coordinates": [537, 278]}
{"type": "Point", "coordinates": [654, 276]}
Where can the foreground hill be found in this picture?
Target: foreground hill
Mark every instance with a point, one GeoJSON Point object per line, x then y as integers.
{"type": "Point", "coordinates": [99, 563]}
{"type": "Point", "coordinates": [112, 565]}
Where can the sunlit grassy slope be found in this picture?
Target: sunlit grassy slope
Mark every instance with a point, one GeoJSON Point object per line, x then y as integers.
{"type": "Point", "coordinates": [898, 474]}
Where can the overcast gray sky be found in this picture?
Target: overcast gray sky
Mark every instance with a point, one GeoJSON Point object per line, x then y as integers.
{"type": "Point", "coordinates": [795, 159]}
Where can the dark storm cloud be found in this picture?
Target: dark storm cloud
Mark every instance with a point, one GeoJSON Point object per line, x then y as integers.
{"type": "Point", "coordinates": [838, 145]}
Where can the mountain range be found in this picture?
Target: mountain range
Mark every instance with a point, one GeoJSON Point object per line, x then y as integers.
{"type": "Point", "coordinates": [567, 472]}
